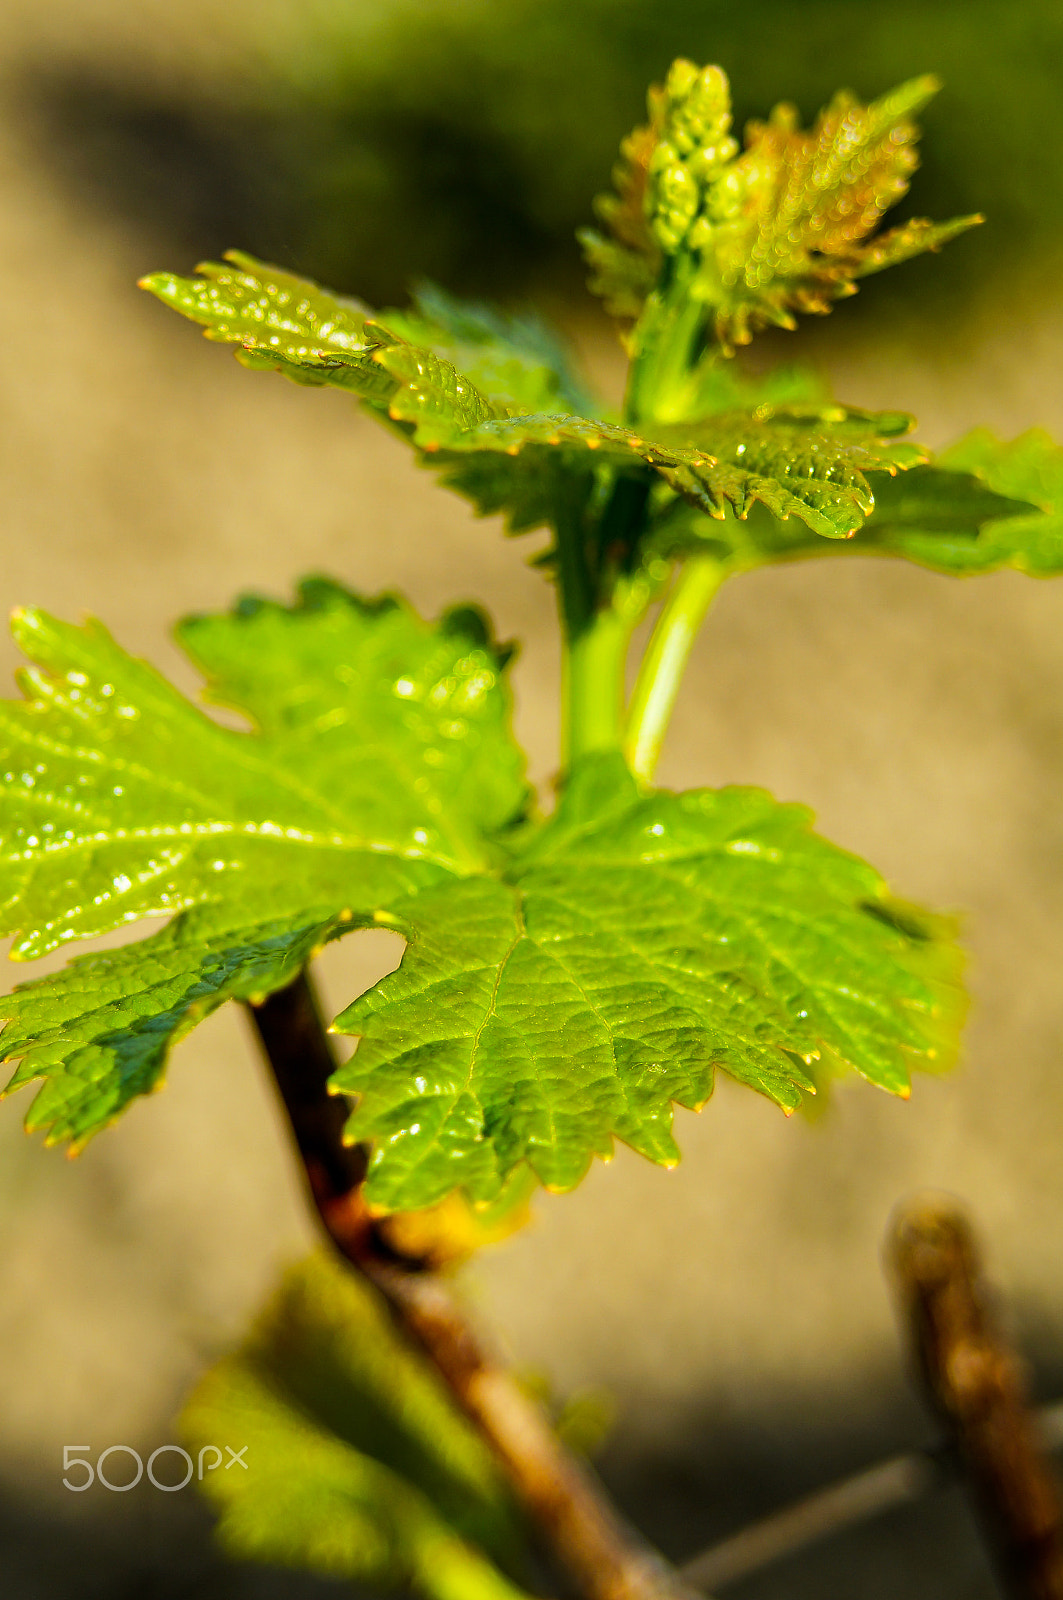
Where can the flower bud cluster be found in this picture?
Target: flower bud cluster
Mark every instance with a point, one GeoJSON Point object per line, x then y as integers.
{"type": "Point", "coordinates": [692, 186]}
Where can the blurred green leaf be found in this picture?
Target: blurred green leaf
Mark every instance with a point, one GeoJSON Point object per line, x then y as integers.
{"type": "Point", "coordinates": [515, 360]}
{"type": "Point", "coordinates": [355, 1463]}
{"type": "Point", "coordinates": [1028, 468]}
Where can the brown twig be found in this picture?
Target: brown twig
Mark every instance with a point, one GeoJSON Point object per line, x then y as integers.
{"type": "Point", "coordinates": [974, 1383]}
{"type": "Point", "coordinates": [857, 1499]}
{"type": "Point", "coordinates": [886, 1486]}
{"type": "Point", "coordinates": [565, 1502]}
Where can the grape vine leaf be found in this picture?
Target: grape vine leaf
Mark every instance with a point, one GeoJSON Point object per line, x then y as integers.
{"type": "Point", "coordinates": [1002, 513]}
{"type": "Point", "coordinates": [329, 1446]}
{"type": "Point", "coordinates": [382, 759]}
{"type": "Point", "coordinates": [513, 358]}
{"type": "Point", "coordinates": [635, 945]}
{"type": "Point", "coordinates": [784, 226]}
{"type": "Point", "coordinates": [809, 462]}
{"type": "Point", "coordinates": [563, 983]}
{"type": "Point", "coordinates": [1029, 468]}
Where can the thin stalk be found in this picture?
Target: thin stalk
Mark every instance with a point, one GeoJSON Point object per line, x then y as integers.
{"type": "Point", "coordinates": [597, 632]}
{"type": "Point", "coordinates": [667, 654]}
{"type": "Point", "coordinates": [593, 686]}
{"type": "Point", "coordinates": [899, 1481]}
{"type": "Point", "coordinates": [603, 1556]}
{"type": "Point", "coordinates": [668, 339]}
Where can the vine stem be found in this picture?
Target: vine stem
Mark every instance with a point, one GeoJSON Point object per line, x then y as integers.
{"type": "Point", "coordinates": [594, 685]}
{"type": "Point", "coordinates": [603, 1556]}
{"type": "Point", "coordinates": [667, 654]}
{"type": "Point", "coordinates": [974, 1383]}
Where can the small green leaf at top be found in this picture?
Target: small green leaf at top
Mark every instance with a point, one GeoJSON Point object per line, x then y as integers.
{"type": "Point", "coordinates": [352, 1461]}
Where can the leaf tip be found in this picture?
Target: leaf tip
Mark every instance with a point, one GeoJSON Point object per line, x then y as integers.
{"type": "Point", "coordinates": [24, 620]}
{"type": "Point", "coordinates": [927, 84]}
{"type": "Point", "coordinates": [163, 285]}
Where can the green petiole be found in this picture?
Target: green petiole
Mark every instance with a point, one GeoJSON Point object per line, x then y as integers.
{"type": "Point", "coordinates": [665, 660]}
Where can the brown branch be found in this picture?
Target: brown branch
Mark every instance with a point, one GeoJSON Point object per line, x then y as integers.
{"type": "Point", "coordinates": [975, 1384]}
{"type": "Point", "coordinates": [898, 1481]}
{"type": "Point", "coordinates": [817, 1516]}
{"type": "Point", "coordinates": [563, 1499]}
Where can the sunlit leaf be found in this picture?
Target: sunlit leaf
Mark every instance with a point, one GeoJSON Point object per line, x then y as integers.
{"type": "Point", "coordinates": [808, 464]}
{"type": "Point", "coordinates": [381, 759]}
{"type": "Point", "coordinates": [947, 520]}
{"type": "Point", "coordinates": [639, 943]}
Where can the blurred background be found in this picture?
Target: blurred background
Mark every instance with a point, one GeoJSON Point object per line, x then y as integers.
{"type": "Point", "coordinates": [736, 1307]}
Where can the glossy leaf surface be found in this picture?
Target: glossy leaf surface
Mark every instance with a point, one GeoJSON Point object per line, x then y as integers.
{"type": "Point", "coordinates": [379, 742]}
{"type": "Point", "coordinates": [380, 761]}
{"type": "Point", "coordinates": [940, 517]}
{"type": "Point", "coordinates": [639, 943]}
{"type": "Point", "coordinates": [559, 990]}
{"type": "Point", "coordinates": [809, 465]}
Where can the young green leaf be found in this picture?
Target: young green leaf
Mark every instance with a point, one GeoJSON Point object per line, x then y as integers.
{"type": "Point", "coordinates": [351, 1462]}
{"type": "Point", "coordinates": [281, 321]}
{"type": "Point", "coordinates": [939, 517]}
{"type": "Point", "coordinates": [515, 360]}
{"type": "Point", "coordinates": [807, 462]}
{"type": "Point", "coordinates": [381, 761]}
{"type": "Point", "coordinates": [811, 464]}
{"type": "Point", "coordinates": [637, 944]}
